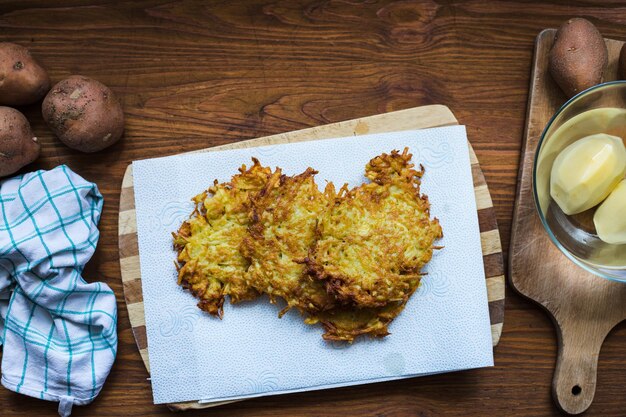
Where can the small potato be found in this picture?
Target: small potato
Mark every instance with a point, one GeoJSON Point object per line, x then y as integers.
{"type": "Point", "coordinates": [22, 80]}
{"type": "Point", "coordinates": [84, 114]}
{"type": "Point", "coordinates": [578, 57]}
{"type": "Point", "coordinates": [18, 145]}
{"type": "Point", "coordinates": [622, 62]}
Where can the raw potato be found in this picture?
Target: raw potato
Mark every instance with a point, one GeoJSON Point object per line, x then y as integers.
{"type": "Point", "coordinates": [22, 80]}
{"type": "Point", "coordinates": [586, 172]}
{"type": "Point", "coordinates": [609, 218]}
{"type": "Point", "coordinates": [578, 57]}
{"type": "Point", "coordinates": [84, 114]}
{"type": "Point", "coordinates": [18, 145]}
{"type": "Point", "coordinates": [622, 62]}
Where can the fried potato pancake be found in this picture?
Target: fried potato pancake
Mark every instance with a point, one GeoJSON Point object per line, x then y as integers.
{"type": "Point", "coordinates": [210, 264]}
{"type": "Point", "coordinates": [376, 238]}
{"type": "Point", "coordinates": [345, 323]}
{"type": "Point", "coordinates": [348, 260]}
{"type": "Point", "coordinates": [282, 232]}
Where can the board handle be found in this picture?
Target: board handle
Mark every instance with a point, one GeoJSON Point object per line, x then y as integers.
{"type": "Point", "coordinates": [574, 382]}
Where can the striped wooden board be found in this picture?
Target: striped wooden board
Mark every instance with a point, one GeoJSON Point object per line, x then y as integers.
{"type": "Point", "coordinates": [415, 118]}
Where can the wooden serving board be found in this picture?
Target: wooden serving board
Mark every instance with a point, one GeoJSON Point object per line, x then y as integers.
{"type": "Point", "coordinates": [415, 118]}
{"type": "Point", "coordinates": [583, 307]}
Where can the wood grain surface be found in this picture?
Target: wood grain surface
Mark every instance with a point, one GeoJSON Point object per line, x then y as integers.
{"type": "Point", "coordinates": [584, 307]}
{"type": "Point", "coordinates": [205, 73]}
{"type": "Point", "coordinates": [414, 118]}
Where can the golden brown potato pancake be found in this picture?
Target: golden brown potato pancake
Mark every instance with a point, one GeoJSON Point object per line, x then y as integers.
{"type": "Point", "coordinates": [345, 323]}
{"type": "Point", "coordinates": [281, 234]}
{"type": "Point", "coordinates": [210, 263]}
{"type": "Point", "coordinates": [349, 261]}
{"type": "Point", "coordinates": [376, 238]}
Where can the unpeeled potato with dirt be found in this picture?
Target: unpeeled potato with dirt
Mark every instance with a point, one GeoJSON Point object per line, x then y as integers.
{"type": "Point", "coordinates": [578, 57]}
{"type": "Point", "coordinates": [18, 145]}
{"type": "Point", "coordinates": [84, 114]}
{"type": "Point", "coordinates": [622, 62]}
{"type": "Point", "coordinates": [22, 80]}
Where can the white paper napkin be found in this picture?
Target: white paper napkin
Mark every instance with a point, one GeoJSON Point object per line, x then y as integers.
{"type": "Point", "coordinates": [251, 352]}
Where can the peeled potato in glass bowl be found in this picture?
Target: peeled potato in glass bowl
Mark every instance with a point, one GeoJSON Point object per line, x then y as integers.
{"type": "Point", "coordinates": [581, 210]}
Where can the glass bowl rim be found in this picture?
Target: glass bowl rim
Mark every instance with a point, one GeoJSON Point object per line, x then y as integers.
{"type": "Point", "coordinates": [555, 241]}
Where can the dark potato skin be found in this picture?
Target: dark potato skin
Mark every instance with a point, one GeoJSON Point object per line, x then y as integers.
{"type": "Point", "coordinates": [22, 80]}
{"type": "Point", "coordinates": [18, 145]}
{"type": "Point", "coordinates": [84, 114]}
{"type": "Point", "coordinates": [578, 57]}
{"type": "Point", "coordinates": [622, 62]}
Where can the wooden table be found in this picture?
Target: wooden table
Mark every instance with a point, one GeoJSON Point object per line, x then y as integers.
{"type": "Point", "coordinates": [198, 74]}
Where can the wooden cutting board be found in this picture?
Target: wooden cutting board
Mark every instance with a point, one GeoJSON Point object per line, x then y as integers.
{"type": "Point", "coordinates": [583, 307]}
{"type": "Point", "coordinates": [415, 118]}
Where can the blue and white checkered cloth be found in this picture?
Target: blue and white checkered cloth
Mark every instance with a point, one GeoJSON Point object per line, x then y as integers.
{"type": "Point", "coordinates": [59, 332]}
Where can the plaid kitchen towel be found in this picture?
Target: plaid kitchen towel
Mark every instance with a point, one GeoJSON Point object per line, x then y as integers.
{"type": "Point", "coordinates": [58, 332]}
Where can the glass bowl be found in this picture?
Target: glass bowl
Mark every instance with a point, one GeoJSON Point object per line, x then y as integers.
{"type": "Point", "coordinates": [599, 109]}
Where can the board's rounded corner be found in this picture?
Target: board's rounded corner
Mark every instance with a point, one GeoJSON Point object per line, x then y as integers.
{"type": "Point", "coordinates": [546, 32]}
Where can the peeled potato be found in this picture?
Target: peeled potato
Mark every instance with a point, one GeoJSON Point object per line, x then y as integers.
{"type": "Point", "coordinates": [578, 57]}
{"type": "Point", "coordinates": [609, 120]}
{"type": "Point", "coordinates": [586, 172]}
{"type": "Point", "coordinates": [610, 217]}
{"type": "Point", "coordinates": [18, 145]}
{"type": "Point", "coordinates": [22, 80]}
{"type": "Point", "coordinates": [84, 114]}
